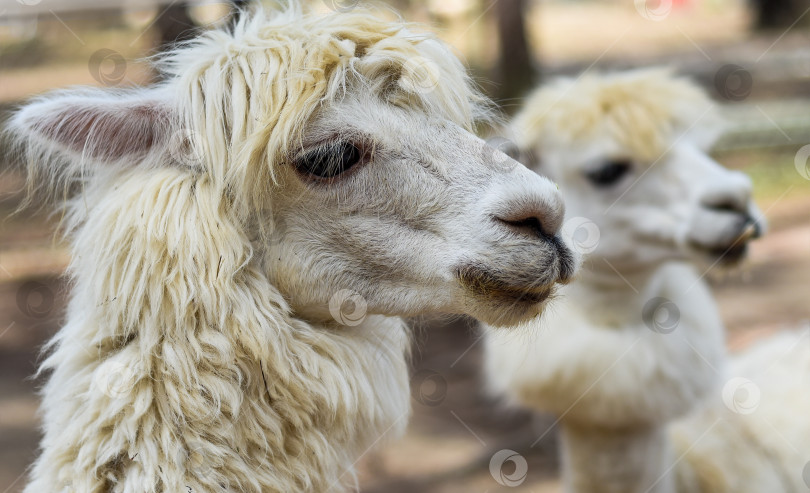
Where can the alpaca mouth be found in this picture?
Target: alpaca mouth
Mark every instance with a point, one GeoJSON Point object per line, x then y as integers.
{"type": "Point", "coordinates": [734, 253]}
{"type": "Point", "coordinates": [730, 256]}
{"type": "Point", "coordinates": [486, 284]}
{"type": "Point", "coordinates": [515, 295]}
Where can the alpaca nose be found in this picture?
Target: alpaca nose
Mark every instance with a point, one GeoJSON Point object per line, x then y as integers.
{"type": "Point", "coordinates": [731, 194]}
{"type": "Point", "coordinates": [533, 216]}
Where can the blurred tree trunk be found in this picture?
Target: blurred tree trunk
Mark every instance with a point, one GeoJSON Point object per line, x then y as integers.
{"type": "Point", "coordinates": [774, 14]}
{"type": "Point", "coordinates": [516, 73]}
{"type": "Point", "coordinates": [236, 7]}
{"type": "Point", "coordinates": [175, 25]}
{"type": "Point", "coordinates": [240, 4]}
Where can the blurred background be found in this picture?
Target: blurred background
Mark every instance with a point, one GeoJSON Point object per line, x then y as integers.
{"type": "Point", "coordinates": [752, 56]}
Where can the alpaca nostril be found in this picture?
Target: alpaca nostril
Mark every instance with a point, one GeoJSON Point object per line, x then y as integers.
{"type": "Point", "coordinates": [725, 205]}
{"type": "Point", "coordinates": [734, 196]}
{"type": "Point", "coordinates": [538, 218]}
{"type": "Point", "coordinates": [532, 207]}
{"type": "Point", "coordinates": [530, 226]}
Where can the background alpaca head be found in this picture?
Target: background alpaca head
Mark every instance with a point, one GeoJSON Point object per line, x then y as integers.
{"type": "Point", "coordinates": [631, 147]}
{"type": "Point", "coordinates": [643, 196]}
{"type": "Point", "coordinates": [342, 146]}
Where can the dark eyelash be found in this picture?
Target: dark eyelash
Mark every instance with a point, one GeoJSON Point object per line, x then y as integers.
{"type": "Point", "coordinates": [329, 160]}
{"type": "Point", "coordinates": [609, 173]}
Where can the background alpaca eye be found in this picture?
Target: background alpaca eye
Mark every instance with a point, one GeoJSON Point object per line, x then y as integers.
{"type": "Point", "coordinates": [329, 160]}
{"type": "Point", "coordinates": [609, 173]}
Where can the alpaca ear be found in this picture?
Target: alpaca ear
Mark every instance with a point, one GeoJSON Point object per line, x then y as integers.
{"type": "Point", "coordinates": [94, 124]}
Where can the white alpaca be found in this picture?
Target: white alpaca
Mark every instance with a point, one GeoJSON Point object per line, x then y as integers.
{"type": "Point", "coordinates": [232, 227]}
{"type": "Point", "coordinates": [636, 343]}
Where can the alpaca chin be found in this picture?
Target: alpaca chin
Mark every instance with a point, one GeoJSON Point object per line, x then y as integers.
{"type": "Point", "coordinates": [498, 303]}
{"type": "Point", "coordinates": [510, 310]}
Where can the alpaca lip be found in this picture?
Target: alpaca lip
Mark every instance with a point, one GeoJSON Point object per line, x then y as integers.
{"type": "Point", "coordinates": [521, 295]}
{"type": "Point", "coordinates": [734, 253]}
{"type": "Point", "coordinates": [728, 256]}
{"type": "Point", "coordinates": [483, 283]}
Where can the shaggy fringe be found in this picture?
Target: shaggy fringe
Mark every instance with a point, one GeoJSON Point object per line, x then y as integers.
{"type": "Point", "coordinates": [352, 49]}
{"type": "Point", "coordinates": [659, 107]}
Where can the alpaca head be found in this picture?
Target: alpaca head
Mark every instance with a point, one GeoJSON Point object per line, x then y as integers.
{"type": "Point", "coordinates": [342, 146]}
{"type": "Point", "coordinates": [629, 149]}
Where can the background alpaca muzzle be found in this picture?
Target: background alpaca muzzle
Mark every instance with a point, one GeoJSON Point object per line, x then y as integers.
{"type": "Point", "coordinates": [726, 220]}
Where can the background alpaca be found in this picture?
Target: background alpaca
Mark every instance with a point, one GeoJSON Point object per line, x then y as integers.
{"type": "Point", "coordinates": [217, 218]}
{"type": "Point", "coordinates": [637, 342]}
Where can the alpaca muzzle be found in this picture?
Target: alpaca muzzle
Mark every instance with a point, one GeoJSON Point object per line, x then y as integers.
{"type": "Point", "coordinates": [724, 235]}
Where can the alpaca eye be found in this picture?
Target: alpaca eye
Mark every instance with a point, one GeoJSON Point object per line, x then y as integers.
{"type": "Point", "coordinates": [329, 160]}
{"type": "Point", "coordinates": [609, 173]}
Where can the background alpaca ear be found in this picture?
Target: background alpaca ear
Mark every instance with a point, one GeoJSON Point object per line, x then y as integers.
{"type": "Point", "coordinates": [94, 125]}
